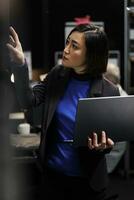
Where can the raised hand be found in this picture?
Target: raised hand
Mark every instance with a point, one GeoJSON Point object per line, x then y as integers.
{"type": "Point", "coordinates": [15, 48]}
{"type": "Point", "coordinates": [104, 143]}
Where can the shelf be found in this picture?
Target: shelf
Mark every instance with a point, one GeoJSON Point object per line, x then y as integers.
{"type": "Point", "coordinates": [130, 9]}
{"type": "Point", "coordinates": [128, 47]}
{"type": "Point", "coordinates": [131, 56]}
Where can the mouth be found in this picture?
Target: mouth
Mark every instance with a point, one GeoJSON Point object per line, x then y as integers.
{"type": "Point", "coordinates": [65, 58]}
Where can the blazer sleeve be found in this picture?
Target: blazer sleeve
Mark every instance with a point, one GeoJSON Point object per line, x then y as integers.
{"type": "Point", "coordinates": [27, 96]}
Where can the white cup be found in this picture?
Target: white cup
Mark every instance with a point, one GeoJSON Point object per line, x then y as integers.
{"type": "Point", "coordinates": [24, 129]}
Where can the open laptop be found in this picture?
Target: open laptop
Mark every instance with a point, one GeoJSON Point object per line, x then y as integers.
{"type": "Point", "coordinates": [114, 115]}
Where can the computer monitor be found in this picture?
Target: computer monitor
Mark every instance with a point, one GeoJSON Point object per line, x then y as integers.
{"type": "Point", "coordinates": [114, 57]}
{"type": "Point", "coordinates": [70, 25]}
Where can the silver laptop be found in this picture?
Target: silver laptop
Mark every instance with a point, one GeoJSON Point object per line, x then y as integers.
{"type": "Point", "coordinates": [115, 115]}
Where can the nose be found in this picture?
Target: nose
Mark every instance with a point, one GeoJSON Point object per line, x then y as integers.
{"type": "Point", "coordinates": [66, 49]}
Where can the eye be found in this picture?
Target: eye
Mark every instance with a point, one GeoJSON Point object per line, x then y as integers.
{"type": "Point", "coordinates": [74, 46]}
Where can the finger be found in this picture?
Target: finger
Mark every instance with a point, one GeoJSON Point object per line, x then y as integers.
{"type": "Point", "coordinates": [95, 140]}
{"type": "Point", "coordinates": [13, 51]}
{"type": "Point", "coordinates": [103, 139]}
{"type": "Point", "coordinates": [110, 143]}
{"type": "Point", "coordinates": [102, 144]}
{"type": "Point", "coordinates": [90, 146]}
{"type": "Point", "coordinates": [14, 34]}
{"type": "Point", "coordinates": [11, 41]}
{"type": "Point", "coordinates": [10, 47]}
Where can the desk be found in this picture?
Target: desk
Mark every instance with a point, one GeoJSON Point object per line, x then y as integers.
{"type": "Point", "coordinates": [25, 146]}
{"type": "Point", "coordinates": [25, 170]}
{"type": "Point", "coordinates": [30, 141]}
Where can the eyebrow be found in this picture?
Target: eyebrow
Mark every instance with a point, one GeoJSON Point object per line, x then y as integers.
{"type": "Point", "coordinates": [73, 41]}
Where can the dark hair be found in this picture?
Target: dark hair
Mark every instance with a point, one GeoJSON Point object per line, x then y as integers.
{"type": "Point", "coordinates": [97, 47]}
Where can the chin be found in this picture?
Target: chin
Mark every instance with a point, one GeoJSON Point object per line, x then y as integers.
{"type": "Point", "coordinates": [64, 64]}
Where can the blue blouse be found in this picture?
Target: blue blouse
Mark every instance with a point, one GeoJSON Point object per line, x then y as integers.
{"type": "Point", "coordinates": [63, 156]}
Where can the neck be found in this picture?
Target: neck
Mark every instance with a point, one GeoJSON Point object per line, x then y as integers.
{"type": "Point", "coordinates": [80, 70]}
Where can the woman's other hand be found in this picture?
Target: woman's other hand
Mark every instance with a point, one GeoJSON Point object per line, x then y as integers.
{"type": "Point", "coordinates": [15, 48]}
{"type": "Point", "coordinates": [101, 143]}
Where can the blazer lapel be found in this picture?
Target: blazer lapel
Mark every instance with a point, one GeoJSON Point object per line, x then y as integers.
{"type": "Point", "coordinates": [57, 91]}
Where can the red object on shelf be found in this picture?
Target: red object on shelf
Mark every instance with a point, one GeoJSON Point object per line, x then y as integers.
{"type": "Point", "coordinates": [82, 20]}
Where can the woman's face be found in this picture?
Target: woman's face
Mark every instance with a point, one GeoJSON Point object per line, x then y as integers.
{"type": "Point", "coordinates": [74, 54]}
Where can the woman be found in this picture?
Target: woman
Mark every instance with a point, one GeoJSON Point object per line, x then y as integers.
{"type": "Point", "coordinates": [69, 172]}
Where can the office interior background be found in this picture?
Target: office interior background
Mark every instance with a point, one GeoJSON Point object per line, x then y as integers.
{"type": "Point", "coordinates": [41, 26]}
{"type": "Point", "coordinates": [42, 29]}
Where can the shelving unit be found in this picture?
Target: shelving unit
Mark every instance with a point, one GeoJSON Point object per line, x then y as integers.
{"type": "Point", "coordinates": [128, 71]}
{"type": "Point", "coordinates": [129, 46]}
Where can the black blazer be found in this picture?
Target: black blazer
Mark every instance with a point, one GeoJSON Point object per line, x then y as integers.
{"type": "Point", "coordinates": [49, 92]}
